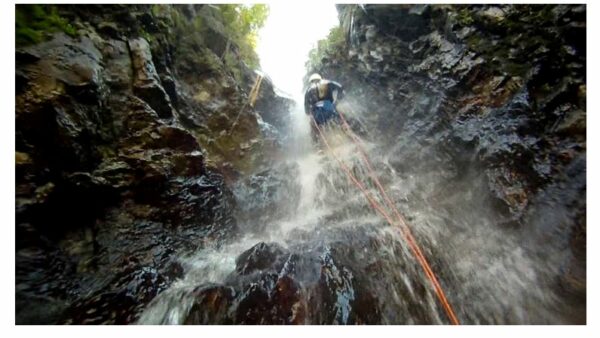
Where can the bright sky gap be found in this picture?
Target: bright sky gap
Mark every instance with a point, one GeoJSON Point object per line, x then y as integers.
{"type": "Point", "coordinates": [290, 32]}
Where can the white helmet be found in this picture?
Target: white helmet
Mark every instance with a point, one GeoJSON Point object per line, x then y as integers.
{"type": "Point", "coordinates": [314, 77]}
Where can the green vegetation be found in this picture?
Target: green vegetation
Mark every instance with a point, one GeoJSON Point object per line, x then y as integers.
{"type": "Point", "coordinates": [241, 23]}
{"type": "Point", "coordinates": [146, 36]}
{"type": "Point", "coordinates": [327, 47]}
{"type": "Point", "coordinates": [464, 17]}
{"type": "Point", "coordinates": [34, 22]}
{"type": "Point", "coordinates": [216, 38]}
{"type": "Point", "coordinates": [238, 25]}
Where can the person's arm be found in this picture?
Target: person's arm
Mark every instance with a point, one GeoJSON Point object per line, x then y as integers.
{"type": "Point", "coordinates": [338, 88]}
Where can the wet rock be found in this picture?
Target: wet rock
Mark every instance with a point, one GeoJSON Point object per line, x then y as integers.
{"type": "Point", "coordinates": [163, 137]}
{"type": "Point", "coordinates": [42, 299]}
{"type": "Point", "coordinates": [146, 82]}
{"type": "Point", "coordinates": [493, 13]}
{"type": "Point", "coordinates": [38, 310]}
{"type": "Point", "coordinates": [290, 305]}
{"type": "Point", "coordinates": [119, 71]}
{"type": "Point", "coordinates": [177, 139]}
{"type": "Point", "coordinates": [572, 278]}
{"type": "Point", "coordinates": [148, 22]}
{"type": "Point", "coordinates": [109, 28]}
{"type": "Point", "coordinates": [464, 99]}
{"type": "Point", "coordinates": [267, 195]}
{"type": "Point", "coordinates": [211, 306]}
{"type": "Point", "coordinates": [273, 106]}
{"type": "Point", "coordinates": [110, 180]}
{"type": "Point", "coordinates": [573, 124]}
{"type": "Point", "coordinates": [133, 116]}
{"type": "Point", "coordinates": [132, 289]}
{"type": "Point", "coordinates": [272, 285]}
{"type": "Point", "coordinates": [260, 257]}
{"type": "Point", "coordinates": [254, 303]}
{"type": "Point", "coordinates": [260, 295]}
{"type": "Point", "coordinates": [205, 200]}
{"type": "Point", "coordinates": [63, 61]}
{"type": "Point", "coordinates": [47, 119]}
{"type": "Point", "coordinates": [170, 85]}
{"type": "Point", "coordinates": [135, 252]}
{"type": "Point", "coordinates": [271, 301]}
{"type": "Point", "coordinates": [22, 158]}
{"type": "Point", "coordinates": [493, 102]}
{"type": "Point", "coordinates": [342, 298]}
{"type": "Point", "coordinates": [404, 22]}
{"type": "Point", "coordinates": [337, 292]}
{"type": "Point", "coordinates": [118, 174]}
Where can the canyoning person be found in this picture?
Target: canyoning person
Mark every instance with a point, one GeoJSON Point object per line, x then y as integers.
{"type": "Point", "coordinates": [319, 99]}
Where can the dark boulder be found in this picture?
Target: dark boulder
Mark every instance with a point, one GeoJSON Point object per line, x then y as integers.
{"type": "Point", "coordinates": [260, 257]}
{"type": "Point", "coordinates": [211, 305]}
{"type": "Point", "coordinates": [273, 286]}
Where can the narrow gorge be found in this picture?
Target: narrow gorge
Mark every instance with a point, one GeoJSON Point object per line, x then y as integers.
{"type": "Point", "coordinates": [163, 178]}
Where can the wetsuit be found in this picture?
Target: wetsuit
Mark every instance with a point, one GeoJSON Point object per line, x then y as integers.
{"type": "Point", "coordinates": [318, 100]}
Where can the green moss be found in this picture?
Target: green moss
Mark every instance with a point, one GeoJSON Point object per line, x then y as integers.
{"type": "Point", "coordinates": [156, 9]}
{"type": "Point", "coordinates": [464, 17]}
{"type": "Point", "coordinates": [242, 23]}
{"type": "Point", "coordinates": [239, 24]}
{"type": "Point", "coordinates": [33, 23]}
{"type": "Point", "coordinates": [146, 36]}
{"type": "Point", "coordinates": [233, 64]}
{"type": "Point", "coordinates": [198, 24]}
{"type": "Point", "coordinates": [163, 16]}
{"type": "Point", "coordinates": [328, 47]}
{"type": "Point", "coordinates": [187, 35]}
{"type": "Point", "coordinates": [27, 35]}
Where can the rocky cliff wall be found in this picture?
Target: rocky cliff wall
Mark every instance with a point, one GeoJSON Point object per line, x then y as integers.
{"type": "Point", "coordinates": [485, 103]}
{"type": "Point", "coordinates": [126, 134]}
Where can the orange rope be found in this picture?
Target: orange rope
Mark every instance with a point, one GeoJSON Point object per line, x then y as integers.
{"type": "Point", "coordinates": [251, 99]}
{"type": "Point", "coordinates": [403, 225]}
{"type": "Point", "coordinates": [362, 188]}
{"type": "Point", "coordinates": [255, 90]}
{"type": "Point", "coordinates": [406, 229]}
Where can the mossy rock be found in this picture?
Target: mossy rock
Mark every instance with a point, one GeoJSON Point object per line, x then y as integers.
{"type": "Point", "coordinates": [35, 23]}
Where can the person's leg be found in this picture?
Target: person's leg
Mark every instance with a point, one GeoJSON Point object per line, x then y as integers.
{"type": "Point", "coordinates": [332, 115]}
{"type": "Point", "coordinates": [320, 115]}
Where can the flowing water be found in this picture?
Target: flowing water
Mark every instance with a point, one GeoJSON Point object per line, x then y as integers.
{"type": "Point", "coordinates": [490, 273]}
